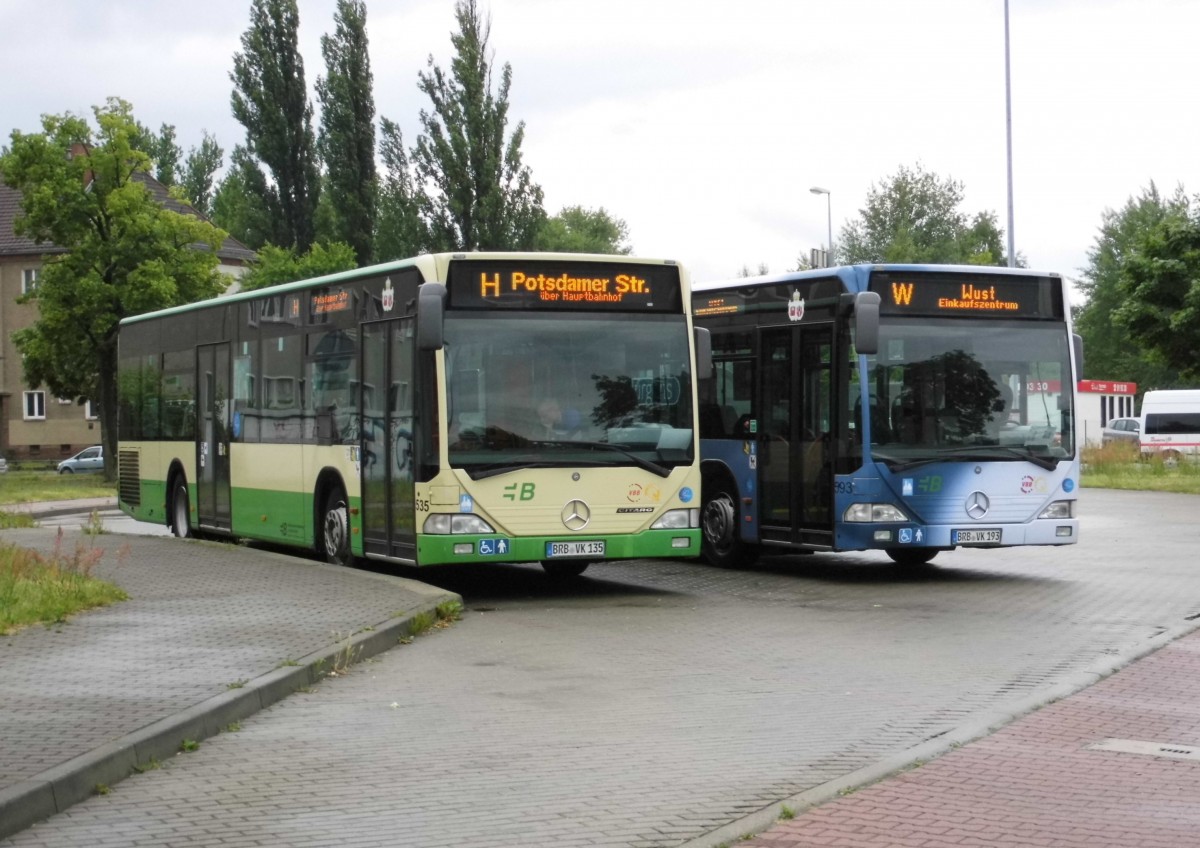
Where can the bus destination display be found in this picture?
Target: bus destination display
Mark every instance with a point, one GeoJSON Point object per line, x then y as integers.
{"type": "Point", "coordinates": [543, 285]}
{"type": "Point", "coordinates": [968, 295]}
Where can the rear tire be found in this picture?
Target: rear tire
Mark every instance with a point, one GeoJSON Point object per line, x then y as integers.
{"type": "Point", "coordinates": [335, 529]}
{"type": "Point", "coordinates": [180, 508]}
{"type": "Point", "coordinates": [911, 556]}
{"type": "Point", "coordinates": [564, 570]}
{"type": "Point", "coordinates": [722, 543]}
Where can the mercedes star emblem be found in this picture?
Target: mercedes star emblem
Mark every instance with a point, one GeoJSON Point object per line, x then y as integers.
{"type": "Point", "coordinates": [576, 515]}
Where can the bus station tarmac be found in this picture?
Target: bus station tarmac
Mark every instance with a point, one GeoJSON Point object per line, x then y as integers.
{"type": "Point", "coordinates": [213, 633]}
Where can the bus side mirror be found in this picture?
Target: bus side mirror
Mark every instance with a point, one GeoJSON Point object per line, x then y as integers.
{"type": "Point", "coordinates": [866, 323]}
{"type": "Point", "coordinates": [704, 359]}
{"type": "Point", "coordinates": [431, 311]}
{"type": "Point", "coordinates": [1077, 343]}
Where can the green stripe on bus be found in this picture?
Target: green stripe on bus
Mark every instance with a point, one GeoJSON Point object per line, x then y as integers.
{"type": "Point", "coordinates": [439, 550]}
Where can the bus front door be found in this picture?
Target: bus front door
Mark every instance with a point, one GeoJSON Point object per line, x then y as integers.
{"type": "Point", "coordinates": [795, 433]}
{"type": "Point", "coordinates": [212, 432]}
{"type": "Point", "coordinates": [388, 448]}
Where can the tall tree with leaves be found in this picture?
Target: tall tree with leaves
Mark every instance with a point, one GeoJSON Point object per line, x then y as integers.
{"type": "Point", "coordinates": [270, 100]}
{"type": "Point", "coordinates": [347, 139]}
{"type": "Point", "coordinates": [163, 151]}
{"type": "Point", "coordinates": [199, 171]}
{"type": "Point", "coordinates": [915, 216]}
{"type": "Point", "coordinates": [1111, 352]}
{"type": "Point", "coordinates": [399, 232]}
{"type": "Point", "coordinates": [1160, 292]}
{"type": "Point", "coordinates": [479, 196]}
{"type": "Point", "coordinates": [124, 252]}
{"type": "Point", "coordinates": [579, 230]}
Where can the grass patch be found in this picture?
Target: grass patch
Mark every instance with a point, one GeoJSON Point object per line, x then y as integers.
{"type": "Point", "coordinates": [1120, 466]}
{"type": "Point", "coordinates": [37, 589]}
{"type": "Point", "coordinates": [30, 486]}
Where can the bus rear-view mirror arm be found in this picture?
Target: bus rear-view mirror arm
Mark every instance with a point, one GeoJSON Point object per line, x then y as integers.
{"type": "Point", "coordinates": [431, 310]}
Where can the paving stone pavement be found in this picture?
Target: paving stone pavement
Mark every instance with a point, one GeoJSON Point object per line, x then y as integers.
{"type": "Point", "coordinates": [211, 633]}
{"type": "Point", "coordinates": [656, 703]}
{"type": "Point", "coordinates": [1114, 766]}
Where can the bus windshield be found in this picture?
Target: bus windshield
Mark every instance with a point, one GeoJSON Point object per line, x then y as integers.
{"type": "Point", "coordinates": [538, 389]}
{"type": "Point", "coordinates": [950, 389]}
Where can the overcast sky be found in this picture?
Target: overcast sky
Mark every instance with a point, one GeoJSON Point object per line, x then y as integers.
{"type": "Point", "coordinates": [704, 124]}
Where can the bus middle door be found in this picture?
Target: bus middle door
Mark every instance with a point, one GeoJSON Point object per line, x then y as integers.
{"type": "Point", "coordinates": [212, 437]}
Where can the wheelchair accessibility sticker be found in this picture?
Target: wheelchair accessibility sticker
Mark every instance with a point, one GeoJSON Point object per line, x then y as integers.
{"type": "Point", "coordinates": [493, 547]}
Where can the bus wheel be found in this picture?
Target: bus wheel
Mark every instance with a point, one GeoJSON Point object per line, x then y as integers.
{"type": "Point", "coordinates": [722, 544]}
{"type": "Point", "coordinates": [181, 515]}
{"type": "Point", "coordinates": [911, 556]}
{"type": "Point", "coordinates": [561, 570]}
{"type": "Point", "coordinates": [335, 529]}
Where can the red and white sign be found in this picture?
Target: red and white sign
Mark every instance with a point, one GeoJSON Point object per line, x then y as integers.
{"type": "Point", "coordinates": [1107, 387]}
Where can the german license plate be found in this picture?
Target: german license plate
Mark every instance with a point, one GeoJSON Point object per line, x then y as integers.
{"type": "Point", "coordinates": [554, 550]}
{"type": "Point", "coordinates": [975, 537]}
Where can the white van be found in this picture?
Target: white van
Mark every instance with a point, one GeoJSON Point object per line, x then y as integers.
{"type": "Point", "coordinates": [1171, 424]}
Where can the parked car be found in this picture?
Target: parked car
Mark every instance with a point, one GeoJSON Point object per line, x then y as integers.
{"type": "Point", "coordinates": [1121, 430]}
{"type": "Point", "coordinates": [87, 460]}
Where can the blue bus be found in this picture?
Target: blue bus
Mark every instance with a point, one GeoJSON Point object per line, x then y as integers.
{"type": "Point", "coordinates": [911, 409]}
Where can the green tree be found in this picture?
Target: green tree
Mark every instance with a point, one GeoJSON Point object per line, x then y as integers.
{"type": "Point", "coordinates": [281, 265]}
{"type": "Point", "coordinates": [164, 153]}
{"type": "Point", "coordinates": [83, 191]}
{"type": "Point", "coordinates": [239, 204]}
{"type": "Point", "coordinates": [479, 196]}
{"type": "Point", "coordinates": [270, 100]}
{"type": "Point", "coordinates": [1110, 353]}
{"type": "Point", "coordinates": [199, 171]}
{"type": "Point", "coordinates": [579, 230]}
{"type": "Point", "coordinates": [1160, 288]}
{"type": "Point", "coordinates": [399, 232]}
{"type": "Point", "coordinates": [915, 216]}
{"type": "Point", "coordinates": [347, 139]}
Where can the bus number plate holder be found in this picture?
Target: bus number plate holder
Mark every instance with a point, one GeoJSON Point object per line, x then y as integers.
{"type": "Point", "coordinates": [975, 537]}
{"type": "Point", "coordinates": [559, 550]}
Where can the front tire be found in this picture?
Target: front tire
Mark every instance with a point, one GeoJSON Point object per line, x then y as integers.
{"type": "Point", "coordinates": [180, 508]}
{"type": "Point", "coordinates": [912, 556]}
{"type": "Point", "coordinates": [335, 529]}
{"type": "Point", "coordinates": [722, 543]}
{"type": "Point", "coordinates": [65, 471]}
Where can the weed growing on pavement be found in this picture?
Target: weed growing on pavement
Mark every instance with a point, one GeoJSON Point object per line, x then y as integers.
{"type": "Point", "coordinates": [237, 684]}
{"type": "Point", "coordinates": [41, 589]}
{"type": "Point", "coordinates": [102, 789]}
{"type": "Point", "coordinates": [187, 746]}
{"type": "Point", "coordinates": [95, 524]}
{"type": "Point", "coordinates": [287, 663]}
{"type": "Point", "coordinates": [786, 813]}
{"type": "Point", "coordinates": [232, 727]}
{"type": "Point", "coordinates": [151, 764]}
{"type": "Point", "coordinates": [13, 520]}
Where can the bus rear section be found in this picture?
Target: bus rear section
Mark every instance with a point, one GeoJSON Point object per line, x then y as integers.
{"type": "Point", "coordinates": [1171, 424]}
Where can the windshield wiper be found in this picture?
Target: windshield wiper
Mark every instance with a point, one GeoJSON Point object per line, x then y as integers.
{"type": "Point", "coordinates": [640, 462]}
{"type": "Point", "coordinates": [968, 452]}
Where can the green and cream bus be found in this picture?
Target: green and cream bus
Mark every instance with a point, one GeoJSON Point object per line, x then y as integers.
{"type": "Point", "coordinates": [451, 408]}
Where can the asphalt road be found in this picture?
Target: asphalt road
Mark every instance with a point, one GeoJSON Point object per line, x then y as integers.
{"type": "Point", "coordinates": [655, 703]}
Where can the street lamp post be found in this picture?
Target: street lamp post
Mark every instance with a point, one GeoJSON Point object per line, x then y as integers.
{"type": "Point", "coordinates": [829, 215]}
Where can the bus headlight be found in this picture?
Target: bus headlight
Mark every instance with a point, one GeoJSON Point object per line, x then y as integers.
{"type": "Point", "coordinates": [868, 513]}
{"type": "Point", "coordinates": [677, 519]}
{"type": "Point", "coordinates": [1059, 509]}
{"type": "Point", "coordinates": [446, 524]}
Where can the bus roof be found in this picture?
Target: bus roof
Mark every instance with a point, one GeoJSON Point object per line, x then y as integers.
{"type": "Point", "coordinates": [855, 276]}
{"type": "Point", "coordinates": [432, 265]}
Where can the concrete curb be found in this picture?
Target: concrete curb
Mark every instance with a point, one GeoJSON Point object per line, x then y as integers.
{"type": "Point", "coordinates": [984, 725]}
{"type": "Point", "coordinates": [54, 790]}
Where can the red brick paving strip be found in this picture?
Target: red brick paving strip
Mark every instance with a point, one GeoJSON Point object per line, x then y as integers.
{"type": "Point", "coordinates": [1036, 782]}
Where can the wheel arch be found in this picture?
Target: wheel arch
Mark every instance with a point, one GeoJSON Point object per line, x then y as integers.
{"type": "Point", "coordinates": [328, 480]}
